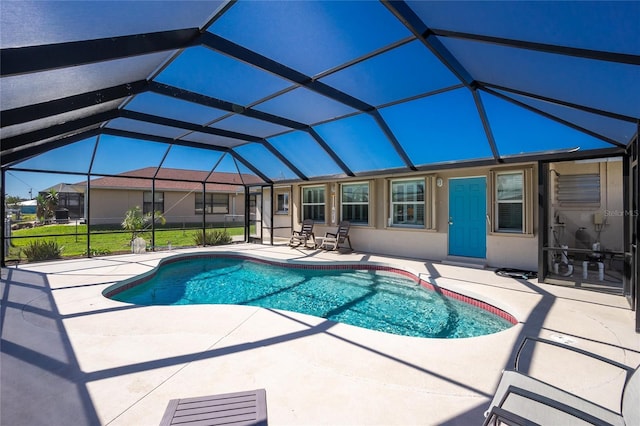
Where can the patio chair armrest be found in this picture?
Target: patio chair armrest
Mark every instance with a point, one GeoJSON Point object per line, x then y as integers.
{"type": "Point", "coordinates": [629, 370]}
{"type": "Point", "coordinates": [551, 403]}
{"type": "Point", "coordinates": [498, 414]}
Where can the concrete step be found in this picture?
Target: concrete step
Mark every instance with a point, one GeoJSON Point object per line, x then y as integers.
{"type": "Point", "coordinates": [466, 262]}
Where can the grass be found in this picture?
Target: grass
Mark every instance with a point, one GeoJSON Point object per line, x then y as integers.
{"type": "Point", "coordinates": [104, 239]}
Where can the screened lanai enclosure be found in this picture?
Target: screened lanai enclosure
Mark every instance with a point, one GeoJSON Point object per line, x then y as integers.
{"type": "Point", "coordinates": [250, 116]}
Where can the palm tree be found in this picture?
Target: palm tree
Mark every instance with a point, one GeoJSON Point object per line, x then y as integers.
{"type": "Point", "coordinates": [51, 197]}
{"type": "Point", "coordinates": [41, 207]}
{"type": "Point", "coordinates": [135, 221]}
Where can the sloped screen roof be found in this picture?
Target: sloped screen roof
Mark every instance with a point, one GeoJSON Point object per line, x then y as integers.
{"type": "Point", "coordinates": [298, 90]}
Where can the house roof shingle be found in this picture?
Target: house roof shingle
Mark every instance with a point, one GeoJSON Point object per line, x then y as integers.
{"type": "Point", "coordinates": [169, 179]}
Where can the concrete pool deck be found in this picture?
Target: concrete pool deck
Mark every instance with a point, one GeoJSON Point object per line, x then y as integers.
{"type": "Point", "coordinates": [72, 357]}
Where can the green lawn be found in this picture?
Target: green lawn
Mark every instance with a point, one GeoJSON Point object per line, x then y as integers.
{"type": "Point", "coordinates": [115, 241]}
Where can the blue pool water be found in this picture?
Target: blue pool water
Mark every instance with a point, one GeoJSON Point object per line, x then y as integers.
{"type": "Point", "coordinates": [377, 300]}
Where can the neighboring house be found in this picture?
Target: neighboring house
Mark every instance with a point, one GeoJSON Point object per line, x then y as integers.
{"type": "Point", "coordinates": [186, 201]}
{"type": "Point", "coordinates": [485, 213]}
{"type": "Point", "coordinates": [70, 198]}
{"type": "Point", "coordinates": [28, 206]}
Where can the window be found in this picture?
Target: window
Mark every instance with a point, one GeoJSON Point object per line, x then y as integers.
{"type": "Point", "coordinates": [157, 205]}
{"type": "Point", "coordinates": [510, 202]}
{"type": "Point", "coordinates": [282, 203]}
{"type": "Point", "coordinates": [214, 203]}
{"type": "Point", "coordinates": [313, 203]}
{"type": "Point", "coordinates": [408, 203]}
{"type": "Point", "coordinates": [355, 202]}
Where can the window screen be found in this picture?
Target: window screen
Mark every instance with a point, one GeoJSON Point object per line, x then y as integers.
{"type": "Point", "coordinates": [355, 203]}
{"type": "Point", "coordinates": [510, 199]}
{"type": "Point", "coordinates": [408, 203]}
{"type": "Point", "coordinates": [313, 203]}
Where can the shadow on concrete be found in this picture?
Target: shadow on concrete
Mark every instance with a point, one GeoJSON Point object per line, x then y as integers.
{"type": "Point", "coordinates": [42, 382]}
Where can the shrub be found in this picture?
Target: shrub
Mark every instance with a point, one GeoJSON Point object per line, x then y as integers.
{"type": "Point", "coordinates": [221, 237]}
{"type": "Point", "coordinates": [198, 238]}
{"type": "Point", "coordinates": [212, 238]}
{"type": "Point", "coordinates": [137, 222]}
{"type": "Point", "coordinates": [42, 250]}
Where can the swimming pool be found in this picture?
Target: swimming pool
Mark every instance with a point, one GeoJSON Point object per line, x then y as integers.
{"type": "Point", "coordinates": [370, 296]}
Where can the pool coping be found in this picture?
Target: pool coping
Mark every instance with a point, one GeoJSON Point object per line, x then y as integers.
{"type": "Point", "coordinates": [470, 298]}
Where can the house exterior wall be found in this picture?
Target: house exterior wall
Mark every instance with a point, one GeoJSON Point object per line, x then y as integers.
{"type": "Point", "coordinates": [108, 206]}
{"type": "Point", "coordinates": [502, 249]}
{"type": "Point", "coordinates": [180, 207]}
{"type": "Point", "coordinates": [431, 242]}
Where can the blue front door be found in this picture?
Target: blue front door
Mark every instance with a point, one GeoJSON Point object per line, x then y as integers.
{"type": "Point", "coordinates": [467, 215]}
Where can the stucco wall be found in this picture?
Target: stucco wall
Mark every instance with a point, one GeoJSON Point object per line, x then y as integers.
{"type": "Point", "coordinates": [503, 250]}
{"type": "Point", "coordinates": [108, 206]}
{"type": "Point", "coordinates": [506, 251]}
{"type": "Point", "coordinates": [180, 207]}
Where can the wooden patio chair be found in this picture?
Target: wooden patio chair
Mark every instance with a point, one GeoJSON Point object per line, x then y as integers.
{"type": "Point", "coordinates": [333, 240]}
{"type": "Point", "coordinates": [303, 235]}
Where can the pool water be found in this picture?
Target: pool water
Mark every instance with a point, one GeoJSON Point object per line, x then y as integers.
{"type": "Point", "coordinates": [376, 300]}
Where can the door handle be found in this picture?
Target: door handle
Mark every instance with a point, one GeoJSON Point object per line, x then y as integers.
{"type": "Point", "coordinates": [450, 221]}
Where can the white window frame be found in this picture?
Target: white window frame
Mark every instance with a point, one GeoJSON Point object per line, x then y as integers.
{"type": "Point", "coordinates": [303, 204]}
{"type": "Point", "coordinates": [366, 203]}
{"type": "Point", "coordinates": [526, 201]}
{"type": "Point", "coordinates": [427, 203]}
{"type": "Point", "coordinates": [285, 202]}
